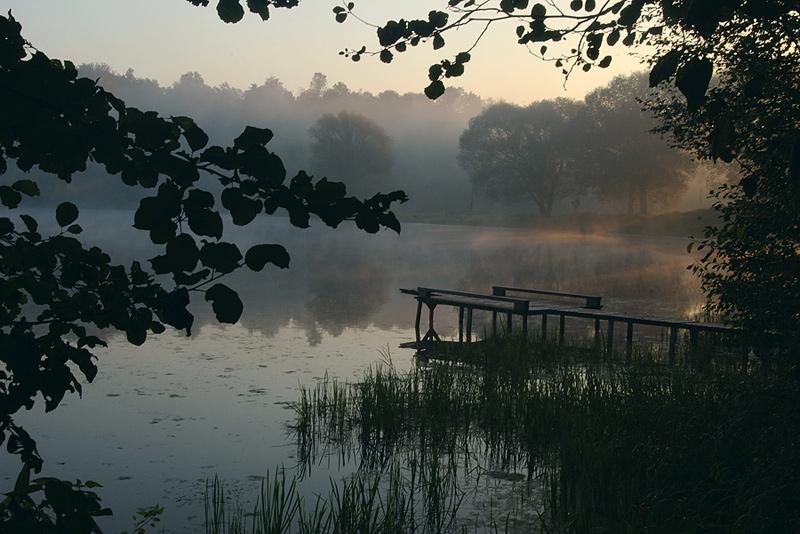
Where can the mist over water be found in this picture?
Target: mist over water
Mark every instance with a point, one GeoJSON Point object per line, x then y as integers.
{"type": "Point", "coordinates": [161, 419]}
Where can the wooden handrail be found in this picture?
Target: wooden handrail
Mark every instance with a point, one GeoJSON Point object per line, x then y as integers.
{"type": "Point", "coordinates": [592, 301]}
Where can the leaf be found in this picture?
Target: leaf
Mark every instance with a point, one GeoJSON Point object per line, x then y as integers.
{"type": "Point", "coordinates": [259, 7]}
{"type": "Point", "coordinates": [438, 41]}
{"type": "Point", "coordinates": [30, 222]}
{"type": "Point", "coordinates": [196, 138]}
{"type": "Point", "coordinates": [9, 197]}
{"type": "Point", "coordinates": [664, 67]}
{"type": "Point", "coordinates": [392, 32]}
{"type": "Point", "coordinates": [576, 5]}
{"type": "Point", "coordinates": [692, 80]}
{"type": "Point", "coordinates": [438, 18]}
{"type": "Point", "coordinates": [605, 62]}
{"type": "Point", "coordinates": [230, 11]}
{"type": "Point", "coordinates": [225, 302]}
{"type": "Point", "coordinates": [205, 222]}
{"type": "Point", "coordinates": [434, 90]}
{"type": "Point", "coordinates": [386, 55]}
{"type": "Point", "coordinates": [538, 11]}
{"type": "Point", "coordinates": [26, 187]}
{"type": "Point", "coordinates": [66, 213]}
{"type": "Point", "coordinates": [252, 136]}
{"type": "Point", "coordinates": [259, 255]}
{"type": "Point", "coordinates": [222, 257]}
{"type": "Point", "coordinates": [182, 253]}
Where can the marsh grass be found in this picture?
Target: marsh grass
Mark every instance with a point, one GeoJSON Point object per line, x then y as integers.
{"type": "Point", "coordinates": [525, 435]}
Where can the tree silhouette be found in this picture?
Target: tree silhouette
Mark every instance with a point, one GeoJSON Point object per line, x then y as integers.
{"type": "Point", "coordinates": [351, 148]}
{"type": "Point", "coordinates": [511, 152]}
{"type": "Point", "coordinates": [621, 158]}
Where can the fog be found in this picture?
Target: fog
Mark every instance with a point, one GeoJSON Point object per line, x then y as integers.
{"type": "Point", "coordinates": [424, 134]}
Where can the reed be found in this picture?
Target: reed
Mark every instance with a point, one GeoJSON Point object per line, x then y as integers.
{"type": "Point", "coordinates": [700, 446]}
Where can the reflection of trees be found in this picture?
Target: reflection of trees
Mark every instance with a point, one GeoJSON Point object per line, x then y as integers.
{"type": "Point", "coordinates": [346, 288]}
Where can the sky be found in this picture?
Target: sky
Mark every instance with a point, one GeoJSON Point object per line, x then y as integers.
{"type": "Point", "coordinates": [163, 39]}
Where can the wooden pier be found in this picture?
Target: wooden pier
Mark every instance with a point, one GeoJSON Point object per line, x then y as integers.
{"type": "Point", "coordinates": [526, 303]}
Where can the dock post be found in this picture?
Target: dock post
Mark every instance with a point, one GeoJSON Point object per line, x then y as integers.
{"type": "Point", "coordinates": [525, 326]}
{"type": "Point", "coordinates": [561, 329]}
{"type": "Point", "coordinates": [673, 338]}
{"type": "Point", "coordinates": [544, 326]}
{"type": "Point", "coordinates": [629, 346]}
{"type": "Point", "coordinates": [610, 340]}
{"type": "Point", "coordinates": [510, 323]}
{"type": "Point", "coordinates": [469, 325]}
{"type": "Point", "coordinates": [494, 322]}
{"type": "Point", "coordinates": [460, 324]}
{"type": "Point", "coordinates": [419, 315]}
{"type": "Point", "coordinates": [693, 337]}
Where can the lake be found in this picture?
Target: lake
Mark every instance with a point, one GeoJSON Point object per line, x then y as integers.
{"type": "Point", "coordinates": [161, 419]}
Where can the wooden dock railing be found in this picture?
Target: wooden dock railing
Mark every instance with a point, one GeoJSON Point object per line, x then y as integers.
{"type": "Point", "coordinates": [499, 302]}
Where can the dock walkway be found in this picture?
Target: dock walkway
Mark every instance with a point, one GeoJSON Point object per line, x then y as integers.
{"type": "Point", "coordinates": [526, 303]}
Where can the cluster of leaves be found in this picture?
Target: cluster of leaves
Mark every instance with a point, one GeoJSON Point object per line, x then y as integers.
{"type": "Point", "coordinates": [750, 268]}
{"type": "Point", "coordinates": [55, 292]}
{"type": "Point", "coordinates": [594, 27]}
{"type": "Point", "coordinates": [232, 11]}
{"type": "Point", "coordinates": [62, 506]}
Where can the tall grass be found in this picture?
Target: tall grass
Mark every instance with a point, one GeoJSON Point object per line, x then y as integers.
{"type": "Point", "coordinates": [524, 435]}
{"type": "Point", "coordinates": [604, 447]}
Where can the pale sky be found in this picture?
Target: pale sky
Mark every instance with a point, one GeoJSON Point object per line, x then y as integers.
{"type": "Point", "coordinates": [163, 39]}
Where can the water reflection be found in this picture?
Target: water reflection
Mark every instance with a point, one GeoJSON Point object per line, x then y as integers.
{"type": "Point", "coordinates": [164, 417]}
{"type": "Point", "coordinates": [345, 279]}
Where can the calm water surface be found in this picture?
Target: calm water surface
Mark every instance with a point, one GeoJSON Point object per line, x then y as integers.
{"type": "Point", "coordinates": [161, 419]}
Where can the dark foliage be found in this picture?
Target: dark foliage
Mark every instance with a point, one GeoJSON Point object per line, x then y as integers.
{"type": "Point", "coordinates": [56, 290]}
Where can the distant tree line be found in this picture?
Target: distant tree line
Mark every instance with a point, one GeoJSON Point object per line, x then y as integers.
{"type": "Point", "coordinates": [564, 149]}
{"type": "Point", "coordinates": [423, 135]}
{"type": "Point", "coordinates": [455, 153]}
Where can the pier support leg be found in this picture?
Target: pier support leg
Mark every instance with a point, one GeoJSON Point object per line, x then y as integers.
{"type": "Point", "coordinates": [610, 340]}
{"type": "Point", "coordinates": [510, 324]}
{"type": "Point", "coordinates": [673, 339]}
{"type": "Point", "coordinates": [431, 333]}
{"type": "Point", "coordinates": [524, 326]}
{"type": "Point", "coordinates": [494, 322]}
{"type": "Point", "coordinates": [629, 346]}
{"type": "Point", "coordinates": [469, 325]}
{"type": "Point", "coordinates": [419, 316]}
{"type": "Point", "coordinates": [693, 337]}
{"type": "Point", "coordinates": [561, 329]}
{"type": "Point", "coordinates": [544, 326]}
{"type": "Point", "coordinates": [460, 324]}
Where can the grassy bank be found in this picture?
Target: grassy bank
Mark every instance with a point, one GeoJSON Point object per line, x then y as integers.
{"type": "Point", "coordinates": [680, 224]}
{"type": "Point", "coordinates": [525, 436]}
